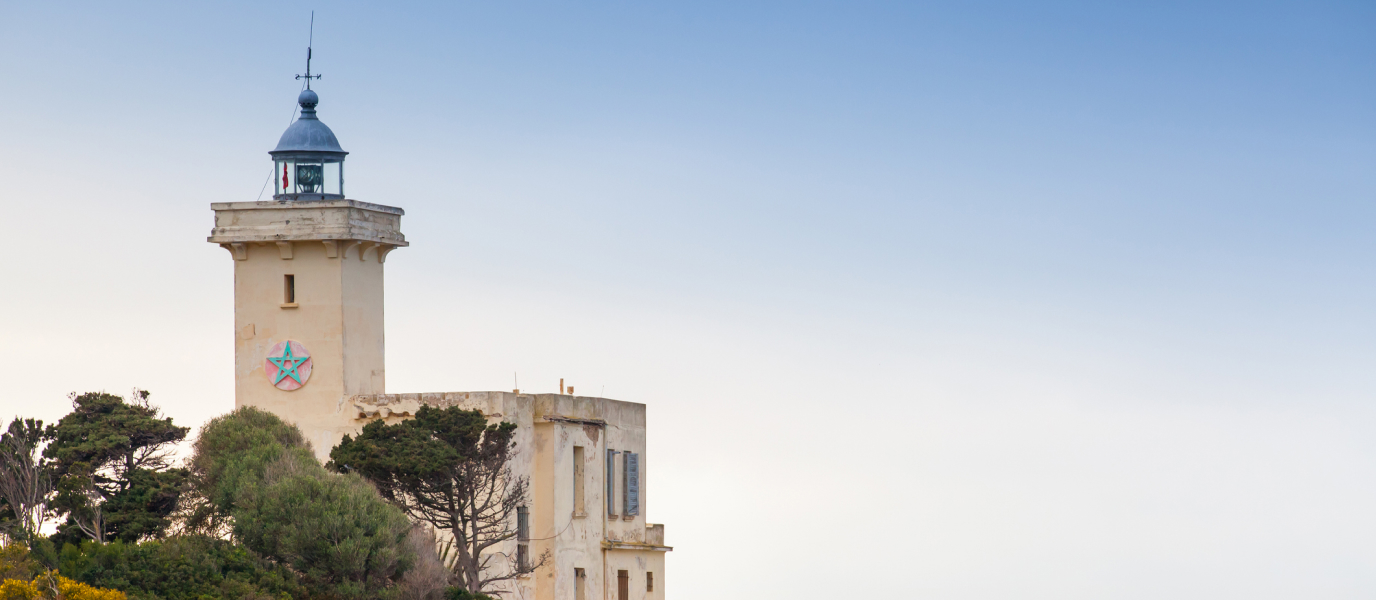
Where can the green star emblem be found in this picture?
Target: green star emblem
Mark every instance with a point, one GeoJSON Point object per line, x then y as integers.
{"type": "Point", "coordinates": [287, 364]}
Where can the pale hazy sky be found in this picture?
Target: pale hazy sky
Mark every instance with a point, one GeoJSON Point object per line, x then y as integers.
{"type": "Point", "coordinates": [975, 301]}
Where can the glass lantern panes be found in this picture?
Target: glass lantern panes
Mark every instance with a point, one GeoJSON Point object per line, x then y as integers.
{"type": "Point", "coordinates": [308, 177]}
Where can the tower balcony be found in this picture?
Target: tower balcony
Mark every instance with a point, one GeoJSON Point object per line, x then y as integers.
{"type": "Point", "coordinates": [340, 224]}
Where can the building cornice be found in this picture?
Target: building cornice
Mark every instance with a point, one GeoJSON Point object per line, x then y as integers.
{"type": "Point", "coordinates": [300, 221]}
{"type": "Point", "coordinates": [618, 545]}
{"type": "Point", "coordinates": [561, 419]}
{"type": "Point", "coordinates": [276, 205]}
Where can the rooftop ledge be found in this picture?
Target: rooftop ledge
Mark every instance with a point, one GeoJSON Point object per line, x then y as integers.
{"type": "Point", "coordinates": [306, 220]}
{"type": "Point", "coordinates": [299, 204]}
{"type": "Point", "coordinates": [615, 545]}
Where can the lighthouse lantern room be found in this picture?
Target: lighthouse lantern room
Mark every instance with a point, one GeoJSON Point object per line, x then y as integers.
{"type": "Point", "coordinates": [309, 163]}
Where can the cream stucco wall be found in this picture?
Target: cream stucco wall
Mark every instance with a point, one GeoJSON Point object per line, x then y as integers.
{"type": "Point", "coordinates": [549, 426]}
{"type": "Point", "coordinates": [335, 250]}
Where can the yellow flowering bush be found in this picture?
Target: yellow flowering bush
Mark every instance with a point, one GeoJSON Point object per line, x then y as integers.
{"type": "Point", "coordinates": [17, 589]}
{"type": "Point", "coordinates": [51, 586]}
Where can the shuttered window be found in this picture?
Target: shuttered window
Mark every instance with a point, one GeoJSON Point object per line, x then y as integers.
{"type": "Point", "coordinates": [632, 463]}
{"type": "Point", "coordinates": [522, 536]}
{"type": "Point", "coordinates": [611, 483]}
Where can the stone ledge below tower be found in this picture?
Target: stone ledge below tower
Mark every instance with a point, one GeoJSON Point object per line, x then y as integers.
{"type": "Point", "coordinates": [319, 220]}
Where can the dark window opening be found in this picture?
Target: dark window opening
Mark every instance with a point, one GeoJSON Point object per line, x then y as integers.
{"type": "Point", "coordinates": [522, 536]}
{"type": "Point", "coordinates": [649, 581]}
{"type": "Point", "coordinates": [623, 585]}
{"type": "Point", "coordinates": [289, 289]}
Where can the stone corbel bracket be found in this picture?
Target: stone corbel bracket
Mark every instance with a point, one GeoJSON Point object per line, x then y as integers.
{"type": "Point", "coordinates": [370, 249]}
{"type": "Point", "coordinates": [237, 250]}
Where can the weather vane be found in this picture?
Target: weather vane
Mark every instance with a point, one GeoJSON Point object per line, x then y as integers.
{"type": "Point", "coordinates": [308, 77]}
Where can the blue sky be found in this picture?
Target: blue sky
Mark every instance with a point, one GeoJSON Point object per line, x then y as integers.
{"type": "Point", "coordinates": [1054, 300]}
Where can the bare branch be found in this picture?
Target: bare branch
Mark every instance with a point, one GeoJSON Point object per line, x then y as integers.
{"type": "Point", "coordinates": [25, 483]}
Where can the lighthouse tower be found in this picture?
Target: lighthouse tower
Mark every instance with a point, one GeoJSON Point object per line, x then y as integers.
{"type": "Point", "coordinates": [308, 347]}
{"type": "Point", "coordinates": [308, 301]}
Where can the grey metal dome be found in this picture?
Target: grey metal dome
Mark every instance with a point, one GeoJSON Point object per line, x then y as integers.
{"type": "Point", "coordinates": [308, 137]}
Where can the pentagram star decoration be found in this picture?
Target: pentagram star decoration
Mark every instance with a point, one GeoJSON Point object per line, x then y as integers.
{"type": "Point", "coordinates": [288, 365]}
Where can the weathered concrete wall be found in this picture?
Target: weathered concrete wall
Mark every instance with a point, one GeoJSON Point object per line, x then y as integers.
{"type": "Point", "coordinates": [550, 426]}
{"type": "Point", "coordinates": [637, 563]}
{"type": "Point", "coordinates": [573, 538]}
{"type": "Point", "coordinates": [272, 221]}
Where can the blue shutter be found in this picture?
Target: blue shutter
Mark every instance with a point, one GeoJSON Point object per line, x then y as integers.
{"type": "Point", "coordinates": [632, 484]}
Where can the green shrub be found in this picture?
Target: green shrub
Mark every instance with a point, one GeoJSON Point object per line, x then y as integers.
{"type": "Point", "coordinates": [458, 593]}
{"type": "Point", "coordinates": [180, 568]}
{"type": "Point", "coordinates": [344, 540]}
{"type": "Point", "coordinates": [233, 452]}
{"type": "Point", "coordinates": [333, 529]}
{"type": "Point", "coordinates": [16, 563]}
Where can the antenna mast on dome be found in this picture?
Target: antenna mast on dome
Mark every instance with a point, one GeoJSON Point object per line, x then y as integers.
{"type": "Point", "coordinates": [308, 77]}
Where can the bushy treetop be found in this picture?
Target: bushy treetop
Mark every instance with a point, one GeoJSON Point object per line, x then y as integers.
{"type": "Point", "coordinates": [236, 449]}
{"type": "Point", "coordinates": [334, 530]}
{"type": "Point", "coordinates": [104, 430]}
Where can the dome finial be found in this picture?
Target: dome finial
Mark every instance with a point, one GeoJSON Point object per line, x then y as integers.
{"type": "Point", "coordinates": [308, 99]}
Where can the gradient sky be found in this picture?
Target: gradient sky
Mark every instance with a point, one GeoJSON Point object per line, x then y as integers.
{"type": "Point", "coordinates": [968, 301]}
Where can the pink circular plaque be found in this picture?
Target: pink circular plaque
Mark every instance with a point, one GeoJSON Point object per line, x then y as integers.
{"type": "Point", "coordinates": [288, 365]}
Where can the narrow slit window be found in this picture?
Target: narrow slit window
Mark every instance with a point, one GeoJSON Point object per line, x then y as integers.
{"type": "Point", "coordinates": [623, 585]}
{"type": "Point", "coordinates": [580, 584]}
{"type": "Point", "coordinates": [649, 581]}
{"type": "Point", "coordinates": [289, 289]}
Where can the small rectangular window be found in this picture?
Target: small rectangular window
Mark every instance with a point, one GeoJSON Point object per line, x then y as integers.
{"type": "Point", "coordinates": [289, 289]}
{"type": "Point", "coordinates": [623, 585]}
{"type": "Point", "coordinates": [578, 502]}
{"type": "Point", "coordinates": [580, 584]}
{"type": "Point", "coordinates": [649, 581]}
